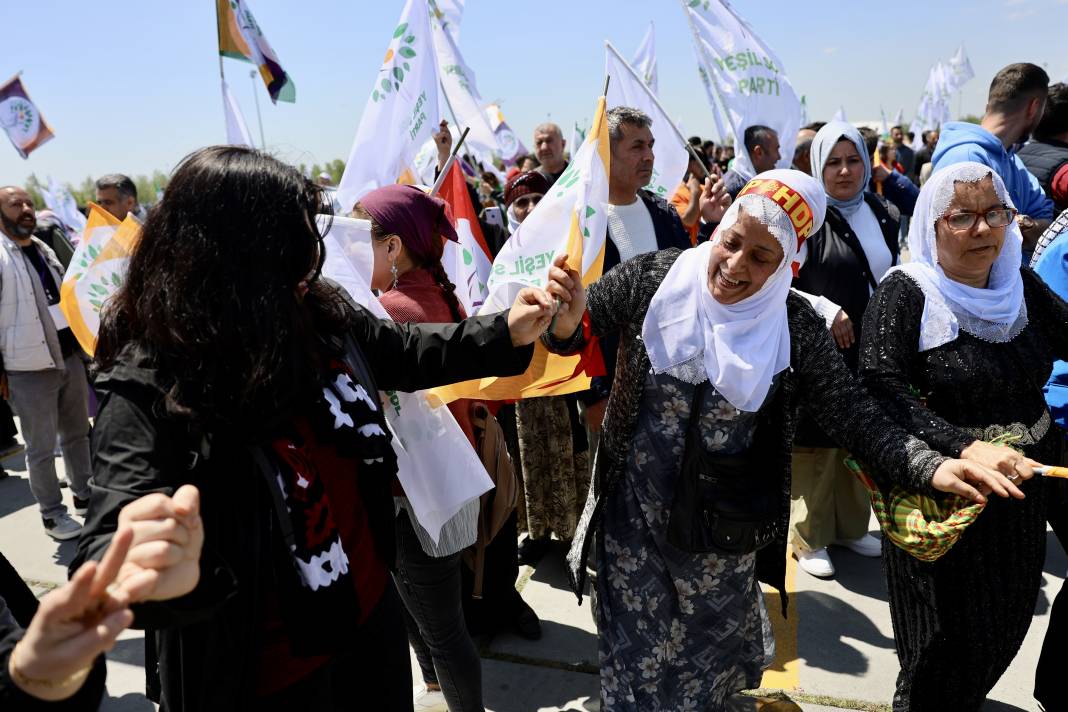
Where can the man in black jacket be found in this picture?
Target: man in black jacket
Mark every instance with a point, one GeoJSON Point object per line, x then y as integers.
{"type": "Point", "coordinates": [638, 222]}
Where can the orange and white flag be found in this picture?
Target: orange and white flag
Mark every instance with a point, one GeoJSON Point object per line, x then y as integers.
{"type": "Point", "coordinates": [96, 272]}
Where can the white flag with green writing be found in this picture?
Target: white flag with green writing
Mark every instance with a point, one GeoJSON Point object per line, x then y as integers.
{"type": "Point", "coordinates": [401, 113]}
{"type": "Point", "coordinates": [749, 78]}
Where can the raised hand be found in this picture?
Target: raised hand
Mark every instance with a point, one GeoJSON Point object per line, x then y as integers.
{"type": "Point", "coordinates": [529, 316]}
{"type": "Point", "coordinates": [566, 285]}
{"type": "Point", "coordinates": [714, 199]}
{"type": "Point", "coordinates": [74, 624]}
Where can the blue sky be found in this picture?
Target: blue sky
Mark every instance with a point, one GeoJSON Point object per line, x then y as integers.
{"type": "Point", "coordinates": [132, 85]}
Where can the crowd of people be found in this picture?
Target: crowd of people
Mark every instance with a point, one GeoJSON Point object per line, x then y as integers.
{"type": "Point", "coordinates": [783, 348]}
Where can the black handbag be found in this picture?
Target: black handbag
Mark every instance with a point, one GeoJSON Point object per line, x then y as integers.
{"type": "Point", "coordinates": [722, 503]}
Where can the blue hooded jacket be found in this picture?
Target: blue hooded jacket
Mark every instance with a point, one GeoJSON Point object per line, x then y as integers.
{"type": "Point", "coordinates": [1052, 267]}
{"type": "Point", "coordinates": [961, 141]}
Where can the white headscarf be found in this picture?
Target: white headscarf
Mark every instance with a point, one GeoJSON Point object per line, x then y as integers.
{"type": "Point", "coordinates": [998, 312]}
{"type": "Point", "coordinates": [822, 144]}
{"type": "Point", "coordinates": [740, 347]}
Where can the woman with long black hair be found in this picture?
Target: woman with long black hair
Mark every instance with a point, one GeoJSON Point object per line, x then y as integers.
{"type": "Point", "coordinates": [224, 361]}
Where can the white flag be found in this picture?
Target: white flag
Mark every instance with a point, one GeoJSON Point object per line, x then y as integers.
{"type": "Point", "coordinates": [401, 113]}
{"type": "Point", "coordinates": [458, 83]}
{"type": "Point", "coordinates": [839, 115]}
{"type": "Point", "coordinates": [899, 118]}
{"type": "Point", "coordinates": [59, 200]}
{"type": "Point", "coordinates": [749, 78]}
{"type": "Point", "coordinates": [570, 218]}
{"type": "Point", "coordinates": [625, 88]}
{"type": "Point", "coordinates": [884, 128]}
{"type": "Point", "coordinates": [436, 465]}
{"type": "Point", "coordinates": [448, 14]}
{"type": "Point", "coordinates": [508, 143]}
{"type": "Point", "coordinates": [237, 133]}
{"type": "Point", "coordinates": [960, 68]}
{"type": "Point", "coordinates": [644, 61]}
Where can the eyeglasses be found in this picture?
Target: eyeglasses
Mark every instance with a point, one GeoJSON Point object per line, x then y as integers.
{"type": "Point", "coordinates": [966, 220]}
{"type": "Point", "coordinates": [524, 201]}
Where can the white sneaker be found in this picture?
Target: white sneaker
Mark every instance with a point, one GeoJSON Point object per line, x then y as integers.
{"type": "Point", "coordinates": [867, 545]}
{"type": "Point", "coordinates": [815, 563]}
{"type": "Point", "coordinates": [430, 701]}
{"type": "Point", "coordinates": [62, 528]}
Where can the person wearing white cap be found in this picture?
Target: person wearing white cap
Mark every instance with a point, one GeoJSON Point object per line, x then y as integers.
{"type": "Point", "coordinates": [691, 488]}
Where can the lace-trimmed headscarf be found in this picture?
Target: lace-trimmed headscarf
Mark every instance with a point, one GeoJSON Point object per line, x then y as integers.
{"type": "Point", "coordinates": [740, 347]}
{"type": "Point", "coordinates": [998, 312]}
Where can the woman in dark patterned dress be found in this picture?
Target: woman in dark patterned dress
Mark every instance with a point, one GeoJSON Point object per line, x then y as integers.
{"type": "Point", "coordinates": [957, 345]}
{"type": "Point", "coordinates": [681, 630]}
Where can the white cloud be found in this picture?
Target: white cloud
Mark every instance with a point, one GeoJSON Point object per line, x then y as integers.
{"type": "Point", "coordinates": [832, 50]}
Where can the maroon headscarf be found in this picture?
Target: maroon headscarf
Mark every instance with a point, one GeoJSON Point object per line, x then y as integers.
{"type": "Point", "coordinates": [418, 219]}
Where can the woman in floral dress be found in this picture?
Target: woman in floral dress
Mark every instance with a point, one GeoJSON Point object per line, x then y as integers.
{"type": "Point", "coordinates": [681, 630]}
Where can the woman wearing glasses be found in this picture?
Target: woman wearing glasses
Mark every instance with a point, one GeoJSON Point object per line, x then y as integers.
{"type": "Point", "coordinates": [957, 345]}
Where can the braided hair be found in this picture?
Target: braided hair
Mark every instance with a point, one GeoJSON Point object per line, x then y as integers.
{"type": "Point", "coordinates": [431, 263]}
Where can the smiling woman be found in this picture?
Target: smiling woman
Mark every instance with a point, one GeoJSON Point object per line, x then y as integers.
{"type": "Point", "coordinates": [691, 484]}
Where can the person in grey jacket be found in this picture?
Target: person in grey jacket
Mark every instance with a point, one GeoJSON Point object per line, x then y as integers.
{"type": "Point", "coordinates": [41, 368]}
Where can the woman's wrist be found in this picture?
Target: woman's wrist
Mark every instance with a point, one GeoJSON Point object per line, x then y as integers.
{"type": "Point", "coordinates": [47, 689]}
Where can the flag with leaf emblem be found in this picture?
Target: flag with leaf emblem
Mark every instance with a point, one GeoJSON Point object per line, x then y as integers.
{"type": "Point", "coordinates": [240, 37]}
{"type": "Point", "coordinates": [20, 118]}
{"type": "Point", "coordinates": [571, 220]}
{"type": "Point", "coordinates": [400, 115]}
{"type": "Point", "coordinates": [467, 261]}
{"type": "Point", "coordinates": [96, 272]}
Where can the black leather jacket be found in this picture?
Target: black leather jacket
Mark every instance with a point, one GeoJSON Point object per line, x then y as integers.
{"type": "Point", "coordinates": [204, 638]}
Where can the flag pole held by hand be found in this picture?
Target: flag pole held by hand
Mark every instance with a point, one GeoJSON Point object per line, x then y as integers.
{"type": "Point", "coordinates": [558, 303]}
{"type": "Point", "coordinates": [448, 164]}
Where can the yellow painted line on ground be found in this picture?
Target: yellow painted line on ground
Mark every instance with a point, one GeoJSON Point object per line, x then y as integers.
{"type": "Point", "coordinates": [785, 672]}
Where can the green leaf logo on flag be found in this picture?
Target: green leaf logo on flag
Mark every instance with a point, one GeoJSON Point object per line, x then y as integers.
{"type": "Point", "coordinates": [395, 65]}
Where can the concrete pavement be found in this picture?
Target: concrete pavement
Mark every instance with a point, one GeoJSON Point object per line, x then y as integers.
{"type": "Point", "coordinates": [836, 651]}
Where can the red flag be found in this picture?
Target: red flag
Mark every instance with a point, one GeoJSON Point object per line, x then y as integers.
{"type": "Point", "coordinates": [468, 261]}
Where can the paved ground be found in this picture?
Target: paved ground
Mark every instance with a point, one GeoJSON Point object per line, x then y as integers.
{"type": "Point", "coordinates": [836, 652]}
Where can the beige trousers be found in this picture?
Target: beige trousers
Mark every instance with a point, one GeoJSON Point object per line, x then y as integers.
{"type": "Point", "coordinates": [827, 502]}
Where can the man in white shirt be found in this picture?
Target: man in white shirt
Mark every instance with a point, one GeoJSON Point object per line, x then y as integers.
{"type": "Point", "coordinates": [638, 222]}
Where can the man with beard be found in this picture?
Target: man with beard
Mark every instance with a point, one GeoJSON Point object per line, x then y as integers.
{"type": "Point", "coordinates": [1014, 108]}
{"type": "Point", "coordinates": [41, 370]}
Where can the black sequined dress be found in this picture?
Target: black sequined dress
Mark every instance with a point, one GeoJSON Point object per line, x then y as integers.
{"type": "Point", "coordinates": [959, 621]}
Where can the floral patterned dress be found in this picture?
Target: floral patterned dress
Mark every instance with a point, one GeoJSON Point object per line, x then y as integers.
{"type": "Point", "coordinates": [678, 631]}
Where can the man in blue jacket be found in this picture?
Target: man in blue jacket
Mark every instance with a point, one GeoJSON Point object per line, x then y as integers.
{"type": "Point", "coordinates": [1051, 263]}
{"type": "Point", "coordinates": [1014, 107]}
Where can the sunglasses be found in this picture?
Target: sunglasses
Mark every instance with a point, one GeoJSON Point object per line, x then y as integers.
{"type": "Point", "coordinates": [524, 201]}
{"type": "Point", "coordinates": [966, 220]}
